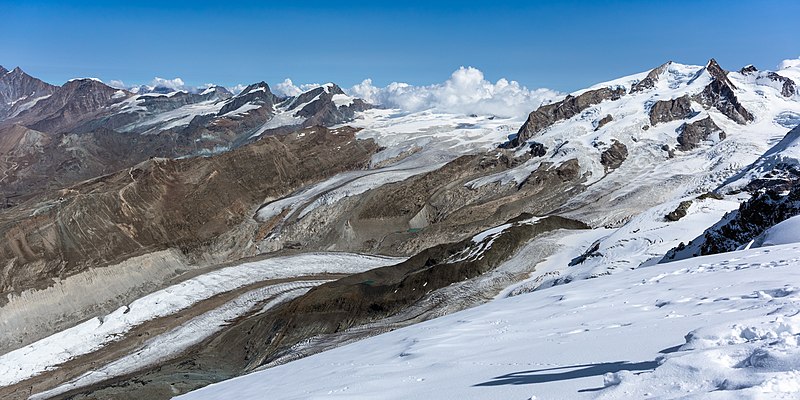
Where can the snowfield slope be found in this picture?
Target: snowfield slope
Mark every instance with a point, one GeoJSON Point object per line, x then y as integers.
{"type": "Point", "coordinates": [718, 327]}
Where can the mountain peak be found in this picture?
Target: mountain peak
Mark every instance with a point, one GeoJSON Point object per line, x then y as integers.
{"type": "Point", "coordinates": [718, 73]}
{"type": "Point", "coordinates": [652, 77]}
{"type": "Point", "coordinates": [256, 87]}
{"type": "Point", "coordinates": [749, 68]}
{"type": "Point", "coordinates": [333, 88]}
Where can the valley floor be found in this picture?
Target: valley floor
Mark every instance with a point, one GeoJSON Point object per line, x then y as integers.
{"type": "Point", "coordinates": [723, 326]}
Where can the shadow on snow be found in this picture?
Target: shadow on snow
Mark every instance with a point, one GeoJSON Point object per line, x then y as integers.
{"type": "Point", "coordinates": [574, 372]}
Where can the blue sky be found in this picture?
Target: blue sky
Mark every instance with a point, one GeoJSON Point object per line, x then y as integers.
{"type": "Point", "coordinates": [559, 45]}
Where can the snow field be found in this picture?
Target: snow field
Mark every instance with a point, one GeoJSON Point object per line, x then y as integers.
{"type": "Point", "coordinates": [723, 326]}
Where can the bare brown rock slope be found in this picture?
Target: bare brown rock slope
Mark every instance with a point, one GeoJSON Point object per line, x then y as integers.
{"type": "Point", "coordinates": [194, 205]}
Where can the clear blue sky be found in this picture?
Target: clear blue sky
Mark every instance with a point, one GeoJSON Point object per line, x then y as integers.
{"type": "Point", "coordinates": [555, 44]}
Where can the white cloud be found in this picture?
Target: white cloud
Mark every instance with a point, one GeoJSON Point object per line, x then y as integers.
{"type": "Point", "coordinates": [117, 84]}
{"type": "Point", "coordinates": [795, 62]}
{"type": "Point", "coordinates": [287, 88]}
{"type": "Point", "coordinates": [465, 92]}
{"type": "Point", "coordinates": [174, 84]}
{"type": "Point", "coordinates": [236, 89]}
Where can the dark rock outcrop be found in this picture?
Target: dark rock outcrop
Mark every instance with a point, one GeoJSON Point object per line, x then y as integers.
{"type": "Point", "coordinates": [720, 94]}
{"type": "Point", "coordinates": [613, 157]}
{"type": "Point", "coordinates": [603, 121]}
{"type": "Point", "coordinates": [679, 211]}
{"type": "Point", "coordinates": [764, 210]}
{"type": "Point", "coordinates": [691, 134]}
{"type": "Point", "coordinates": [671, 110]}
{"type": "Point", "coordinates": [669, 150]}
{"type": "Point", "coordinates": [549, 114]}
{"type": "Point", "coordinates": [788, 87]}
{"type": "Point", "coordinates": [748, 69]}
{"type": "Point", "coordinates": [650, 80]}
{"type": "Point", "coordinates": [257, 94]}
{"type": "Point", "coordinates": [538, 149]}
{"type": "Point", "coordinates": [318, 107]}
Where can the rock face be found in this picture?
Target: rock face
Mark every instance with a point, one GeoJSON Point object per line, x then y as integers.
{"type": "Point", "coordinates": [613, 157]}
{"type": "Point", "coordinates": [319, 106]}
{"type": "Point", "coordinates": [671, 110]}
{"type": "Point", "coordinates": [603, 121]}
{"type": "Point", "coordinates": [720, 94]}
{"type": "Point", "coordinates": [788, 87]}
{"type": "Point", "coordinates": [538, 149]}
{"type": "Point", "coordinates": [764, 210]}
{"type": "Point", "coordinates": [691, 134]}
{"type": "Point", "coordinates": [19, 90]}
{"type": "Point", "coordinates": [69, 105]}
{"type": "Point", "coordinates": [188, 204]}
{"type": "Point", "coordinates": [748, 69]}
{"type": "Point", "coordinates": [650, 80]}
{"type": "Point", "coordinates": [549, 114]}
{"type": "Point", "coordinates": [679, 212]}
{"type": "Point", "coordinates": [257, 94]}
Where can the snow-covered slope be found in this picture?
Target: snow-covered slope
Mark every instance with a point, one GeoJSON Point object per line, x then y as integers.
{"type": "Point", "coordinates": [656, 177]}
{"type": "Point", "coordinates": [784, 232]}
{"type": "Point", "coordinates": [723, 326]}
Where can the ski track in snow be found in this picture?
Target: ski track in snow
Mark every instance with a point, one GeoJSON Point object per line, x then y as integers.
{"type": "Point", "coordinates": [722, 326]}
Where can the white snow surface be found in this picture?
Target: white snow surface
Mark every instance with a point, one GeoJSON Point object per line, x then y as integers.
{"type": "Point", "coordinates": [46, 354]}
{"type": "Point", "coordinates": [785, 232]}
{"type": "Point", "coordinates": [714, 327]}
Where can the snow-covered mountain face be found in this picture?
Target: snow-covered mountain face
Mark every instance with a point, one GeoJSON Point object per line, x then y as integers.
{"type": "Point", "coordinates": [685, 129]}
{"type": "Point", "coordinates": [602, 181]}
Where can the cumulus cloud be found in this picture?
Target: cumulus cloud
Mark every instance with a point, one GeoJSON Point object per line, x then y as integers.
{"type": "Point", "coordinates": [174, 84]}
{"type": "Point", "coordinates": [795, 62]}
{"type": "Point", "coordinates": [236, 89]}
{"type": "Point", "coordinates": [117, 84]}
{"type": "Point", "coordinates": [287, 88]}
{"type": "Point", "coordinates": [466, 92]}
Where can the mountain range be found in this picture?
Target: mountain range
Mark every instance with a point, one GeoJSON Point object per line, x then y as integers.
{"type": "Point", "coordinates": [158, 241]}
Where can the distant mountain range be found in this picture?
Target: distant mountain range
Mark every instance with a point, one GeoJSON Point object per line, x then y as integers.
{"type": "Point", "coordinates": [56, 135]}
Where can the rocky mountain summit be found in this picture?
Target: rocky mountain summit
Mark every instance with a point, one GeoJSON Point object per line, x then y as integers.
{"type": "Point", "coordinates": [57, 135]}
{"type": "Point", "coordinates": [20, 91]}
